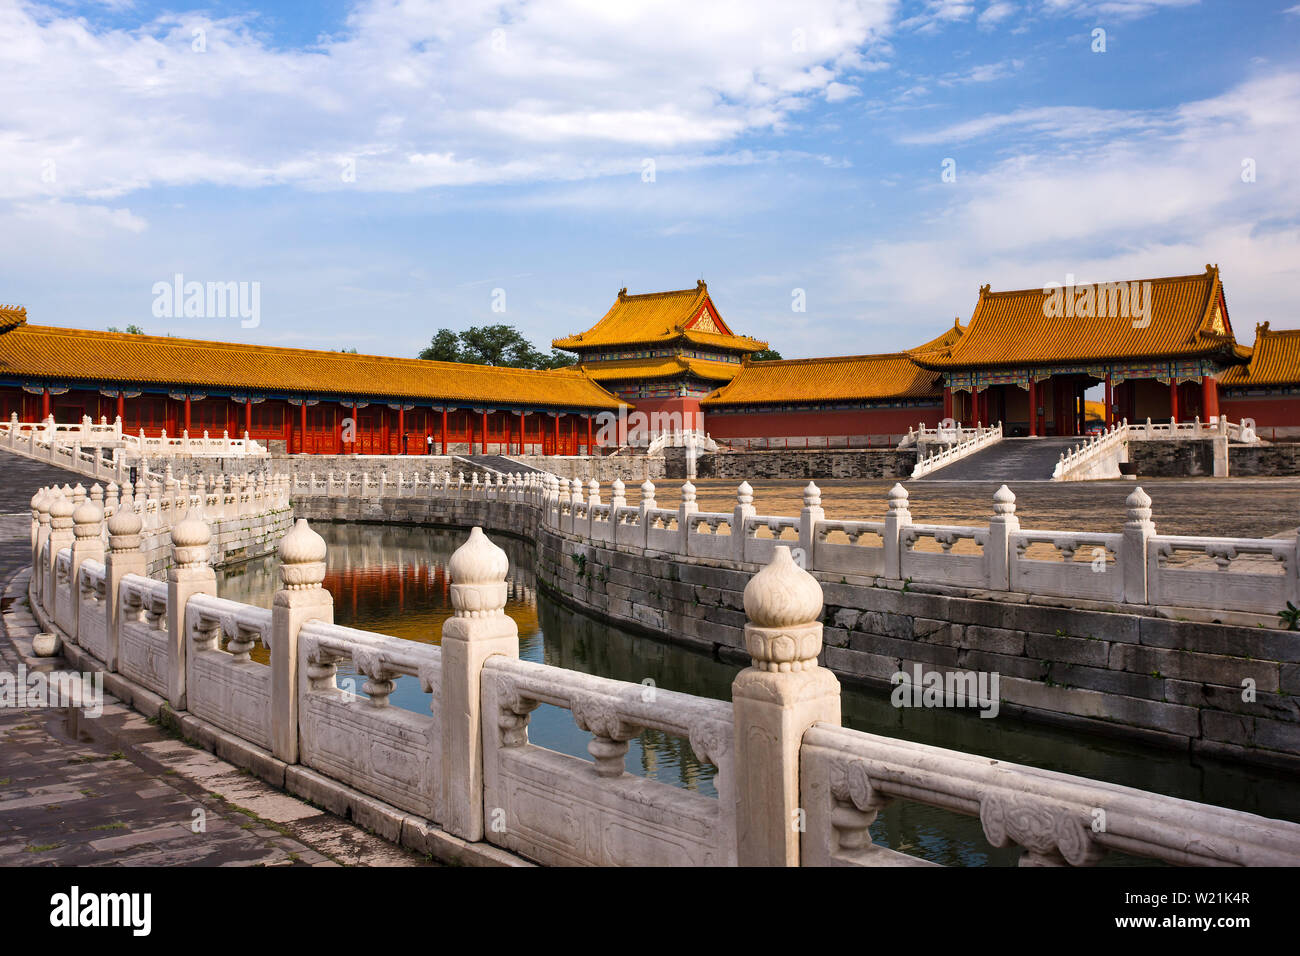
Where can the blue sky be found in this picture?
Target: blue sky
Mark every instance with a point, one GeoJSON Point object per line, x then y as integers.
{"type": "Point", "coordinates": [504, 146]}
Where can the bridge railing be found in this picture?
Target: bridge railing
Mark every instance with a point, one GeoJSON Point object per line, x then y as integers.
{"type": "Point", "coordinates": [1058, 819]}
{"type": "Point", "coordinates": [1136, 567]}
{"type": "Point", "coordinates": [1076, 460]}
{"type": "Point", "coordinates": [468, 771]}
{"type": "Point", "coordinates": [81, 447]}
{"type": "Point", "coordinates": [660, 824]}
{"type": "Point", "coordinates": [983, 438]}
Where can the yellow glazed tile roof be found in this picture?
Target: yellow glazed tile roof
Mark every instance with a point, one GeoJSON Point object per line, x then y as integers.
{"type": "Point", "coordinates": [665, 367]}
{"type": "Point", "coordinates": [842, 378]}
{"type": "Point", "coordinates": [1188, 318]}
{"type": "Point", "coordinates": [73, 354]}
{"type": "Point", "coordinates": [1275, 360]}
{"type": "Point", "coordinates": [11, 317]}
{"type": "Point", "coordinates": [687, 314]}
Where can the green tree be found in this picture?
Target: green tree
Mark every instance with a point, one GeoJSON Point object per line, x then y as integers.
{"type": "Point", "coordinates": [500, 345]}
{"type": "Point", "coordinates": [765, 355]}
{"type": "Point", "coordinates": [559, 359]}
{"type": "Point", "coordinates": [130, 329]}
{"type": "Point", "coordinates": [444, 347]}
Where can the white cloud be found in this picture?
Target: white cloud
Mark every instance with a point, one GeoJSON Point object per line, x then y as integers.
{"type": "Point", "coordinates": [1119, 9]}
{"type": "Point", "coordinates": [1155, 193]}
{"type": "Point", "coordinates": [414, 93]}
{"type": "Point", "coordinates": [78, 219]}
{"type": "Point", "coordinates": [995, 13]}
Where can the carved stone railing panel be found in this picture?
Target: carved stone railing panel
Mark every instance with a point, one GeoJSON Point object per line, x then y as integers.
{"type": "Point", "coordinates": [563, 810]}
{"type": "Point", "coordinates": [142, 633]}
{"type": "Point", "coordinates": [1084, 565]}
{"type": "Point", "coordinates": [1057, 818]}
{"type": "Point", "coordinates": [387, 752]}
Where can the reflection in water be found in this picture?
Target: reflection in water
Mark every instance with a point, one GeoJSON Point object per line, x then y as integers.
{"type": "Point", "coordinates": [392, 580]}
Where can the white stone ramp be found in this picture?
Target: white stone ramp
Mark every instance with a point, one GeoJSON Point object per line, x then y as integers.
{"type": "Point", "coordinates": [1012, 459]}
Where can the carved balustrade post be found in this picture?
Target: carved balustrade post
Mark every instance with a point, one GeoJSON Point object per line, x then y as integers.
{"type": "Point", "coordinates": [1133, 547]}
{"type": "Point", "coordinates": [41, 502]}
{"type": "Point", "coordinates": [647, 504]}
{"type": "Point", "coordinates": [1001, 526]}
{"type": "Point", "coordinates": [776, 700]}
{"type": "Point", "coordinates": [61, 536]}
{"type": "Point", "coordinates": [743, 511]}
{"type": "Point", "coordinates": [189, 574]}
{"type": "Point", "coordinates": [88, 527]}
{"type": "Point", "coordinates": [301, 598]}
{"type": "Point", "coordinates": [809, 517]}
{"type": "Point", "coordinates": [124, 557]}
{"type": "Point", "coordinates": [479, 628]}
{"type": "Point", "coordinates": [685, 510]}
{"type": "Point", "coordinates": [896, 518]}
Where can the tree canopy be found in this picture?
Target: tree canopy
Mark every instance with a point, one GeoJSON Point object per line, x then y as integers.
{"type": "Point", "coordinates": [765, 355]}
{"type": "Point", "coordinates": [501, 345]}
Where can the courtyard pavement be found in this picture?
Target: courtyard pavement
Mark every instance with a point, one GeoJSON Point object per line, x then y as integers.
{"type": "Point", "coordinates": [118, 790]}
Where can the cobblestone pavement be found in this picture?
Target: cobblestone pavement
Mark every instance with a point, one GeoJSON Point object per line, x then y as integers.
{"type": "Point", "coordinates": [118, 790]}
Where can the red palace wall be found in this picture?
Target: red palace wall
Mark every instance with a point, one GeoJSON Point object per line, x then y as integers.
{"type": "Point", "coordinates": [876, 423]}
{"type": "Point", "coordinates": [377, 425]}
{"type": "Point", "coordinates": [1273, 414]}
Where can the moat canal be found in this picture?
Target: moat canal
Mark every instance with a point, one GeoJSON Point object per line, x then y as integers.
{"type": "Point", "coordinates": [392, 580]}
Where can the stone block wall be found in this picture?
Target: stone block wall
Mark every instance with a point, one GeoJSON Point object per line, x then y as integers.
{"type": "Point", "coordinates": [1170, 683]}
{"type": "Point", "coordinates": [796, 463]}
{"type": "Point", "coordinates": [233, 540]}
{"type": "Point", "coordinates": [1263, 460]}
{"type": "Point", "coordinates": [1180, 458]}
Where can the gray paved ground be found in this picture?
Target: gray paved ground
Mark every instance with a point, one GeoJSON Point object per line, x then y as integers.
{"type": "Point", "coordinates": [122, 791]}
{"type": "Point", "coordinates": [20, 477]}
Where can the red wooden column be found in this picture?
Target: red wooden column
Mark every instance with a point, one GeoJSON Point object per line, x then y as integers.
{"type": "Point", "coordinates": [302, 427]}
{"type": "Point", "coordinates": [589, 435]}
{"type": "Point", "coordinates": [1110, 402]}
{"type": "Point", "coordinates": [444, 430]}
{"type": "Point", "coordinates": [1033, 407]}
{"type": "Point", "coordinates": [187, 412]}
{"type": "Point", "coordinates": [1209, 397]}
{"type": "Point", "coordinates": [356, 426]}
{"type": "Point", "coordinates": [1173, 399]}
{"type": "Point", "coordinates": [401, 429]}
{"type": "Point", "coordinates": [248, 417]}
{"type": "Point", "coordinates": [947, 401]}
{"type": "Point", "coordinates": [556, 449]}
{"type": "Point", "coordinates": [483, 443]}
{"type": "Point", "coordinates": [45, 403]}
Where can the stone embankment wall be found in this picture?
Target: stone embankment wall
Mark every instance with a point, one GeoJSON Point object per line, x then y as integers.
{"type": "Point", "coordinates": [1173, 683]}
{"type": "Point", "coordinates": [1185, 458]}
{"type": "Point", "coordinates": [233, 540]}
{"type": "Point", "coordinates": [1182, 458]}
{"type": "Point", "coordinates": [1264, 460]}
{"type": "Point", "coordinates": [796, 463]}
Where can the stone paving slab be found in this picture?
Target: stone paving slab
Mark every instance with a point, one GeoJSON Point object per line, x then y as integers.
{"type": "Point", "coordinates": [125, 792]}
